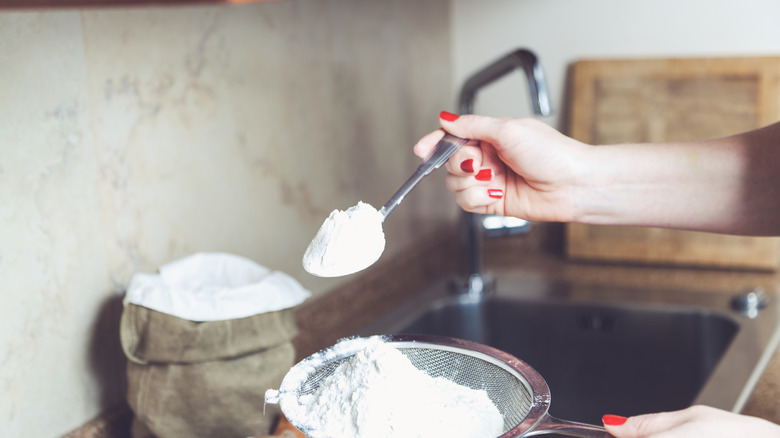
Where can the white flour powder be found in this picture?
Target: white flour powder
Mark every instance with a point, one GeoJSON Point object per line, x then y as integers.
{"type": "Point", "coordinates": [378, 393]}
{"type": "Point", "coordinates": [347, 242]}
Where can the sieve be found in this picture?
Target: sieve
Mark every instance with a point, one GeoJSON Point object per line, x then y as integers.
{"type": "Point", "coordinates": [518, 391]}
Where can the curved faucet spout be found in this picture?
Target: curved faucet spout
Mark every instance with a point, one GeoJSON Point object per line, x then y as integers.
{"type": "Point", "coordinates": [520, 59]}
{"type": "Point", "coordinates": [525, 61]}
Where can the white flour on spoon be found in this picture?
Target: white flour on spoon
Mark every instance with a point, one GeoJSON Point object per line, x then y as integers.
{"type": "Point", "coordinates": [379, 393]}
{"type": "Point", "coordinates": [347, 242]}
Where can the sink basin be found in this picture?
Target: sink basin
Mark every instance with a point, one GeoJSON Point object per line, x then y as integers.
{"type": "Point", "coordinates": [606, 350]}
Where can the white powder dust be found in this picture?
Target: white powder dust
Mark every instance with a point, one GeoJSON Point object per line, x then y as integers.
{"type": "Point", "coordinates": [347, 242]}
{"type": "Point", "coordinates": [379, 393]}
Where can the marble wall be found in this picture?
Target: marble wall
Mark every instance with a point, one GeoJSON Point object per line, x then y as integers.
{"type": "Point", "coordinates": [132, 137]}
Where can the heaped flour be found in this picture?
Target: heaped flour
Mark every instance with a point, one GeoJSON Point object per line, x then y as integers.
{"type": "Point", "coordinates": [379, 393]}
{"type": "Point", "coordinates": [347, 242]}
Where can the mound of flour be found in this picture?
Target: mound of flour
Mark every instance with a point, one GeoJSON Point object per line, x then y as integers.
{"type": "Point", "coordinates": [380, 393]}
{"type": "Point", "coordinates": [347, 242]}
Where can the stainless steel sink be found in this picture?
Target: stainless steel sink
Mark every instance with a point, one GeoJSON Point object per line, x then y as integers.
{"type": "Point", "coordinates": [606, 350]}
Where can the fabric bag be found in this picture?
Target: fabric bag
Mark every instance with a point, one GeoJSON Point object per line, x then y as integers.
{"type": "Point", "coordinates": [204, 378]}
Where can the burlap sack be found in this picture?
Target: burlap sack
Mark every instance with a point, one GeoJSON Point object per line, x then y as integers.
{"type": "Point", "coordinates": [204, 379]}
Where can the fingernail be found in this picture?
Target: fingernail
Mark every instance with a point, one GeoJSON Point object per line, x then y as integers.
{"type": "Point", "coordinates": [495, 193]}
{"type": "Point", "coordinates": [484, 175]}
{"type": "Point", "coordinates": [613, 420]}
{"type": "Point", "coordinates": [448, 116]}
{"type": "Point", "coordinates": [467, 165]}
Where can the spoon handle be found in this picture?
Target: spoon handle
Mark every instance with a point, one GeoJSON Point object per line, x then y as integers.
{"type": "Point", "coordinates": [441, 153]}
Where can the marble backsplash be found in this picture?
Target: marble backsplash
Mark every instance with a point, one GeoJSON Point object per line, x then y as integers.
{"type": "Point", "coordinates": [135, 136]}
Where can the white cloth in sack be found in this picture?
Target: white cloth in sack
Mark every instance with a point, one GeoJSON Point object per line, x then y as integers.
{"type": "Point", "coordinates": [214, 287]}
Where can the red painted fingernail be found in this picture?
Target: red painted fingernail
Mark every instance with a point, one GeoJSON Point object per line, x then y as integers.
{"type": "Point", "coordinates": [448, 116]}
{"type": "Point", "coordinates": [613, 420]}
{"type": "Point", "coordinates": [467, 165]}
{"type": "Point", "coordinates": [495, 193]}
{"type": "Point", "coordinates": [484, 175]}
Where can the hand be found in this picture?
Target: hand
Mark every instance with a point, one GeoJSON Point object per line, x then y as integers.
{"type": "Point", "coordinates": [693, 422]}
{"type": "Point", "coordinates": [512, 167]}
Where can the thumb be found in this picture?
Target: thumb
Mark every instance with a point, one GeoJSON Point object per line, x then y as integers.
{"type": "Point", "coordinates": [640, 426]}
{"type": "Point", "coordinates": [473, 127]}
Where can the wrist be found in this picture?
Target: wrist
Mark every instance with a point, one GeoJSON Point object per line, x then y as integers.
{"type": "Point", "coordinates": [591, 200]}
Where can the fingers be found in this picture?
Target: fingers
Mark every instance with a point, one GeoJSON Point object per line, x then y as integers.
{"type": "Point", "coordinates": [479, 199]}
{"type": "Point", "coordinates": [479, 129]}
{"type": "Point", "coordinates": [466, 160]}
{"type": "Point", "coordinates": [474, 171]}
{"type": "Point", "coordinates": [651, 425]}
{"type": "Point", "coordinates": [485, 177]}
{"type": "Point", "coordinates": [479, 191]}
{"type": "Point", "coordinates": [638, 426]}
{"type": "Point", "coordinates": [472, 126]}
{"type": "Point", "coordinates": [425, 145]}
{"type": "Point", "coordinates": [692, 422]}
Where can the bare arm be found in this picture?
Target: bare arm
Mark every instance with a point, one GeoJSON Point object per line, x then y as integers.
{"type": "Point", "coordinates": [726, 185]}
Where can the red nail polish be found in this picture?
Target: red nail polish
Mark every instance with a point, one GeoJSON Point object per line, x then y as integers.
{"type": "Point", "coordinates": [484, 175]}
{"type": "Point", "coordinates": [448, 116]}
{"type": "Point", "coordinates": [495, 193]}
{"type": "Point", "coordinates": [467, 165]}
{"type": "Point", "coordinates": [613, 420]}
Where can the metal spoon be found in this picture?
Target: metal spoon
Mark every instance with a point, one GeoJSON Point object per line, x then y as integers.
{"type": "Point", "coordinates": [441, 153]}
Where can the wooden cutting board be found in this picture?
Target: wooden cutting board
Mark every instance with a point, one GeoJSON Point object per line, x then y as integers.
{"type": "Point", "coordinates": [655, 100]}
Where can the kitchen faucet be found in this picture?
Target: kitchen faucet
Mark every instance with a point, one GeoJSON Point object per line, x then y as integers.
{"type": "Point", "coordinates": [526, 61]}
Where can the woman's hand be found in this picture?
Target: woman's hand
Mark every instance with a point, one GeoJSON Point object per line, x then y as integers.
{"type": "Point", "coordinates": [526, 169]}
{"type": "Point", "coordinates": [512, 167]}
{"type": "Point", "coordinates": [694, 422]}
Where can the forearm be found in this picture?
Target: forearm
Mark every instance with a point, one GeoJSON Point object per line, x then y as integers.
{"type": "Point", "coordinates": [727, 185]}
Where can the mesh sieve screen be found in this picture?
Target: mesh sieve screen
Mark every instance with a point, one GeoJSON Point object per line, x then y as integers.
{"type": "Point", "coordinates": [507, 390]}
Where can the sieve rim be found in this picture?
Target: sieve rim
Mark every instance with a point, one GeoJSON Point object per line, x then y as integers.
{"type": "Point", "coordinates": [533, 381]}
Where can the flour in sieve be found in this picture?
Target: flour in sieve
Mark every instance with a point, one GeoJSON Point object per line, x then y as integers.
{"type": "Point", "coordinates": [347, 242]}
{"type": "Point", "coordinates": [380, 393]}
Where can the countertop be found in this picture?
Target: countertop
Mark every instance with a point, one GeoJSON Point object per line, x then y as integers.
{"type": "Point", "coordinates": [343, 311]}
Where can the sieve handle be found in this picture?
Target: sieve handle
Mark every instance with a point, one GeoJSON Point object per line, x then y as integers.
{"type": "Point", "coordinates": [550, 424]}
{"type": "Point", "coordinates": [272, 396]}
